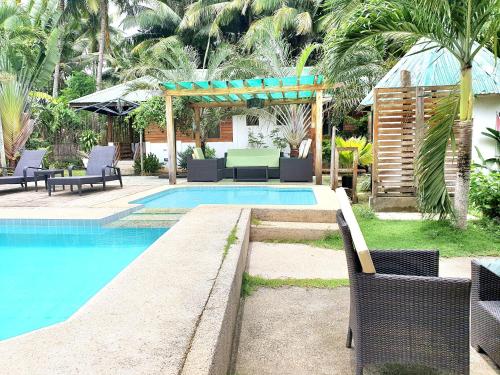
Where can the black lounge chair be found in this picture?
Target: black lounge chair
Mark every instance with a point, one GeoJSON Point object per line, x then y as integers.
{"type": "Point", "coordinates": [100, 170]}
{"type": "Point", "coordinates": [30, 161]}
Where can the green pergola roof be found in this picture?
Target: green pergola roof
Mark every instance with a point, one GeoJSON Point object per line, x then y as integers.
{"type": "Point", "coordinates": [234, 92]}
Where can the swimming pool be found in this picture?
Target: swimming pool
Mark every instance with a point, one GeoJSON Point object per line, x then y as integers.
{"type": "Point", "coordinates": [48, 270]}
{"type": "Point", "coordinates": [188, 197]}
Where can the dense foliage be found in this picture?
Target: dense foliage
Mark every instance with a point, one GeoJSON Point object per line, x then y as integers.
{"type": "Point", "coordinates": [151, 164]}
{"type": "Point", "coordinates": [485, 193]}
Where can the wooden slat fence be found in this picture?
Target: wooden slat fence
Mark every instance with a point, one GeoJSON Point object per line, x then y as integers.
{"type": "Point", "coordinates": [399, 117]}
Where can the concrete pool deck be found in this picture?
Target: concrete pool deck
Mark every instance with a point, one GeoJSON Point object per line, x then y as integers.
{"type": "Point", "coordinates": [163, 313]}
{"type": "Point", "coordinates": [98, 204]}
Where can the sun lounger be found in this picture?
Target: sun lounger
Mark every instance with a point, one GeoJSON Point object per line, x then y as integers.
{"type": "Point", "coordinates": [30, 161]}
{"type": "Point", "coordinates": [100, 170]}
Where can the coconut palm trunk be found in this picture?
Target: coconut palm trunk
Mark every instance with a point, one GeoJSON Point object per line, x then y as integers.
{"type": "Point", "coordinates": [463, 129]}
{"type": "Point", "coordinates": [57, 68]}
{"type": "Point", "coordinates": [103, 7]}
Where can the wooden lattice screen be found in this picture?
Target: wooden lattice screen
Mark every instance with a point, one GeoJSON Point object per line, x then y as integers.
{"type": "Point", "coordinates": [399, 116]}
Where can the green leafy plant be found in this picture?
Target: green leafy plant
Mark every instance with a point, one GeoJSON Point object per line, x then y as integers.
{"type": "Point", "coordinates": [484, 193]}
{"type": "Point", "coordinates": [492, 164]}
{"type": "Point", "coordinates": [278, 140]}
{"type": "Point", "coordinates": [327, 149]}
{"type": "Point", "coordinates": [88, 139]}
{"type": "Point", "coordinates": [79, 84]}
{"type": "Point", "coordinates": [256, 139]}
{"type": "Point", "coordinates": [151, 164]}
{"type": "Point", "coordinates": [183, 156]}
{"type": "Point", "coordinates": [294, 122]}
{"type": "Point", "coordinates": [364, 151]}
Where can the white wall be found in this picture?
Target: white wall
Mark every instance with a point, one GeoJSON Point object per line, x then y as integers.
{"type": "Point", "coordinates": [485, 109]}
{"type": "Point", "coordinates": [240, 139]}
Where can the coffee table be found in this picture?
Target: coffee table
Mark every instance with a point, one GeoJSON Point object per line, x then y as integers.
{"type": "Point", "coordinates": [255, 174]}
{"type": "Point", "coordinates": [45, 174]}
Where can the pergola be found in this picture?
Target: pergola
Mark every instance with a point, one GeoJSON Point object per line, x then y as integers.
{"type": "Point", "coordinates": [240, 93]}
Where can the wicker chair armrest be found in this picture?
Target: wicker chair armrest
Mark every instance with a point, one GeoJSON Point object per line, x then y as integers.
{"type": "Point", "coordinates": [406, 262]}
{"type": "Point", "coordinates": [485, 283]}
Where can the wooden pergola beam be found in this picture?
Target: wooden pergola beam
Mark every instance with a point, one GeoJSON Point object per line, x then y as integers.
{"type": "Point", "coordinates": [243, 103]}
{"type": "Point", "coordinates": [243, 90]}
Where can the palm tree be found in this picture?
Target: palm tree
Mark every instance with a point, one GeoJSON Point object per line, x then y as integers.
{"type": "Point", "coordinates": [251, 20]}
{"type": "Point", "coordinates": [24, 69]}
{"type": "Point", "coordinates": [461, 27]}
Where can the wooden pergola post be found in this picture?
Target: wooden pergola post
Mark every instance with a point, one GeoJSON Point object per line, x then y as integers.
{"type": "Point", "coordinates": [197, 120]}
{"type": "Point", "coordinates": [317, 116]}
{"type": "Point", "coordinates": [172, 156]}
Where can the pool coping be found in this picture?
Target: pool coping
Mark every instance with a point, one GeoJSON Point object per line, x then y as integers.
{"type": "Point", "coordinates": [200, 334]}
{"type": "Point", "coordinates": [104, 213]}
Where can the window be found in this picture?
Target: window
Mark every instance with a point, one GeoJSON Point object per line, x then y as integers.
{"type": "Point", "coordinates": [213, 131]}
{"type": "Point", "coordinates": [252, 120]}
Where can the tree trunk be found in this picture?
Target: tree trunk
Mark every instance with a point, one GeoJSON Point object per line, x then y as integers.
{"type": "Point", "coordinates": [103, 8]}
{"type": "Point", "coordinates": [462, 183]}
{"type": "Point", "coordinates": [57, 69]}
{"type": "Point", "coordinates": [464, 148]}
{"type": "Point", "coordinates": [55, 86]}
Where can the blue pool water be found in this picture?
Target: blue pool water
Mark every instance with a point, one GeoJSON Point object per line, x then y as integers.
{"type": "Point", "coordinates": [48, 271]}
{"type": "Point", "coordinates": [253, 195]}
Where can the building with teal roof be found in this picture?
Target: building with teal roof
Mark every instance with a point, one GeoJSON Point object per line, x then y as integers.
{"type": "Point", "coordinates": [438, 67]}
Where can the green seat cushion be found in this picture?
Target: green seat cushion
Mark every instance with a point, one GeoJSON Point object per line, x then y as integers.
{"type": "Point", "coordinates": [253, 157]}
{"type": "Point", "coordinates": [198, 153]}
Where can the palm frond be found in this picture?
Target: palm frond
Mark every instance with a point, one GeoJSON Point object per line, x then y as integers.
{"type": "Point", "coordinates": [432, 192]}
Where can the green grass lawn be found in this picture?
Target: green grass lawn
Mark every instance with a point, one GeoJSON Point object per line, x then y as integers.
{"type": "Point", "coordinates": [479, 238]}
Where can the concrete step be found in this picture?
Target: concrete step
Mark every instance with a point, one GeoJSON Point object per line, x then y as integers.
{"type": "Point", "coordinates": [294, 215]}
{"type": "Point", "coordinates": [290, 230]}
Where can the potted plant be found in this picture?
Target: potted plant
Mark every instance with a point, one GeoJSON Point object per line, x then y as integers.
{"type": "Point", "coordinates": [365, 155]}
{"type": "Point", "coordinates": [294, 121]}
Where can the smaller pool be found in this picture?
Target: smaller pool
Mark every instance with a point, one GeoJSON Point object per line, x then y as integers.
{"type": "Point", "coordinates": [189, 197]}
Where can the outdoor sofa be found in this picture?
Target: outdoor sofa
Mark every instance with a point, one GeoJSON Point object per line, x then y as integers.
{"type": "Point", "coordinates": [401, 311]}
{"type": "Point", "coordinates": [298, 169]}
{"type": "Point", "coordinates": [252, 157]}
{"type": "Point", "coordinates": [30, 161]}
{"type": "Point", "coordinates": [485, 308]}
{"type": "Point", "coordinates": [100, 170]}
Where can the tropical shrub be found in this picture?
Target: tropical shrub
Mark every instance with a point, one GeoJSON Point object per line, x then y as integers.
{"type": "Point", "coordinates": [183, 156]}
{"type": "Point", "coordinates": [151, 164]}
{"type": "Point", "coordinates": [88, 139]}
{"type": "Point", "coordinates": [79, 84]}
{"type": "Point", "coordinates": [364, 151]}
{"type": "Point", "coordinates": [484, 193]}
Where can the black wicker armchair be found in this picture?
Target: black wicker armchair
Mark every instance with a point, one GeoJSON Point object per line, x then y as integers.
{"type": "Point", "coordinates": [485, 311]}
{"type": "Point", "coordinates": [404, 313]}
{"type": "Point", "coordinates": [205, 170]}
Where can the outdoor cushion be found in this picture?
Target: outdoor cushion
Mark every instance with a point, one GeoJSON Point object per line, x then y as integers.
{"type": "Point", "coordinates": [253, 157]}
{"type": "Point", "coordinates": [358, 240]}
{"type": "Point", "coordinates": [305, 150]}
{"type": "Point", "coordinates": [198, 154]}
{"type": "Point", "coordinates": [492, 264]}
{"type": "Point", "coordinates": [301, 148]}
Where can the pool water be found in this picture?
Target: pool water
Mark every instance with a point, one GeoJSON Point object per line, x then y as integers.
{"type": "Point", "coordinates": [249, 195]}
{"type": "Point", "coordinates": [48, 271]}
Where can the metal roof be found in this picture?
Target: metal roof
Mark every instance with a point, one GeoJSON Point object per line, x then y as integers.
{"type": "Point", "coordinates": [238, 91]}
{"type": "Point", "coordinates": [438, 67]}
{"type": "Point", "coordinates": [118, 100]}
